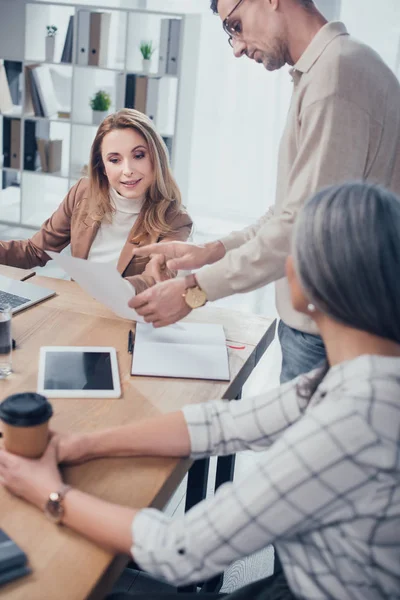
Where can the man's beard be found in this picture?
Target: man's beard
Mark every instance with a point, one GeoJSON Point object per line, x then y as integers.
{"type": "Point", "coordinates": [276, 58]}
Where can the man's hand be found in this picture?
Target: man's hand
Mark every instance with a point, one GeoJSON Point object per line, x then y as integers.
{"type": "Point", "coordinates": [162, 304]}
{"type": "Point", "coordinates": [157, 268]}
{"type": "Point", "coordinates": [31, 479]}
{"type": "Point", "coordinates": [183, 255]}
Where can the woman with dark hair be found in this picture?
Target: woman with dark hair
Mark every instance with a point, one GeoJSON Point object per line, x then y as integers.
{"type": "Point", "coordinates": [326, 489]}
{"type": "Point", "coordinates": [129, 199]}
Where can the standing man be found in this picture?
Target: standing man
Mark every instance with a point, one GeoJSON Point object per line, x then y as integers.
{"type": "Point", "coordinates": [343, 124]}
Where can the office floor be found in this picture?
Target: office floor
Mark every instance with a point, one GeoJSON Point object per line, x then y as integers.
{"type": "Point", "coordinates": [264, 377]}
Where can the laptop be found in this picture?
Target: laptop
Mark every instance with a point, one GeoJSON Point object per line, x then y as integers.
{"type": "Point", "coordinates": [20, 294]}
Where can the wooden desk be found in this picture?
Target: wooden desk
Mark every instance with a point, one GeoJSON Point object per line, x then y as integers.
{"type": "Point", "coordinates": [15, 273]}
{"type": "Point", "coordinates": [65, 565]}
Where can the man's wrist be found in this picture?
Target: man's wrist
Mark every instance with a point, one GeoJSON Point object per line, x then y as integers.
{"type": "Point", "coordinates": [215, 251]}
{"type": "Point", "coordinates": [190, 281]}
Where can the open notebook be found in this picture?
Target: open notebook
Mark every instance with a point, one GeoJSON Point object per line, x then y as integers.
{"type": "Point", "coordinates": [189, 350]}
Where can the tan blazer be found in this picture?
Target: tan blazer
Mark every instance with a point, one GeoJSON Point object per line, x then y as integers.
{"type": "Point", "coordinates": [70, 224]}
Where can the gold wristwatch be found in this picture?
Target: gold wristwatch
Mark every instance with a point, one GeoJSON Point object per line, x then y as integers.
{"type": "Point", "coordinates": [194, 296]}
{"type": "Point", "coordinates": [54, 508]}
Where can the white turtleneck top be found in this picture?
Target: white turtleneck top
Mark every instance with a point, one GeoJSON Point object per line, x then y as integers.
{"type": "Point", "coordinates": [112, 235]}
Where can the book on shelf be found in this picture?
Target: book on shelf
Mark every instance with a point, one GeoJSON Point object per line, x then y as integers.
{"type": "Point", "coordinates": [99, 32]}
{"type": "Point", "coordinates": [82, 38]}
{"type": "Point", "coordinates": [6, 102]}
{"type": "Point", "coordinates": [64, 114]}
{"type": "Point", "coordinates": [66, 56]}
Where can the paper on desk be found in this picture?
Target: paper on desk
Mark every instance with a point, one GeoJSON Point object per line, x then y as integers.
{"type": "Point", "coordinates": [102, 281]}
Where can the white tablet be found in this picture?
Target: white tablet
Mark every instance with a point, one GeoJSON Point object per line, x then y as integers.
{"type": "Point", "coordinates": [78, 372]}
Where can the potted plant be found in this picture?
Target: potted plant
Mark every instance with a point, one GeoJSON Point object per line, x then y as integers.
{"type": "Point", "coordinates": [50, 42]}
{"type": "Point", "coordinates": [100, 104]}
{"type": "Point", "coordinates": [147, 50]}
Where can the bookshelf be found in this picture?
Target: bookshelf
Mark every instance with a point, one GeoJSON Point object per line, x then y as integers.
{"type": "Point", "coordinates": [28, 194]}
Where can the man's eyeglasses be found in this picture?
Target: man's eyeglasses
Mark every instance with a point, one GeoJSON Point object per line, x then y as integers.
{"type": "Point", "coordinates": [231, 28]}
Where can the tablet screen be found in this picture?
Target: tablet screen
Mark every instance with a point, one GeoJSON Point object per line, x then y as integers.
{"type": "Point", "coordinates": [76, 372]}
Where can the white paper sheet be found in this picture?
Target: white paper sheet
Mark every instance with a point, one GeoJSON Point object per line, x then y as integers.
{"type": "Point", "coordinates": [195, 350]}
{"type": "Point", "coordinates": [102, 281]}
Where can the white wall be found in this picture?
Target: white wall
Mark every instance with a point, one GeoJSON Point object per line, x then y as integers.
{"type": "Point", "coordinates": [376, 23]}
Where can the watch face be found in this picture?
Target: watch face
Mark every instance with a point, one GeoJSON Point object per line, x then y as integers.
{"type": "Point", "coordinates": [54, 509]}
{"type": "Point", "coordinates": [195, 297]}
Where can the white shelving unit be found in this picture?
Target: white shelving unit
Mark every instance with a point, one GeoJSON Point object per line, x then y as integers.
{"type": "Point", "coordinates": [28, 197]}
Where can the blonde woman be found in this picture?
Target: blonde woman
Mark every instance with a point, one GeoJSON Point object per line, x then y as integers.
{"type": "Point", "coordinates": [129, 199]}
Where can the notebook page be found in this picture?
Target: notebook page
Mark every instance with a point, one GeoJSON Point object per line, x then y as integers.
{"type": "Point", "coordinates": [173, 352]}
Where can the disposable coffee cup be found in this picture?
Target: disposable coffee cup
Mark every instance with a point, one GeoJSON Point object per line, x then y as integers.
{"type": "Point", "coordinates": [26, 424]}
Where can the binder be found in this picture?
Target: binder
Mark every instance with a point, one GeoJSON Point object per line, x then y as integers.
{"type": "Point", "coordinates": [173, 46]}
{"type": "Point", "coordinates": [94, 38]}
{"type": "Point", "coordinates": [6, 142]}
{"type": "Point", "coordinates": [54, 155]}
{"type": "Point", "coordinates": [30, 146]}
{"type": "Point", "coordinates": [105, 22]}
{"type": "Point", "coordinates": [66, 56]}
{"type": "Point", "coordinates": [166, 112]}
{"type": "Point", "coordinates": [153, 87]}
{"type": "Point", "coordinates": [163, 47]}
{"type": "Point", "coordinates": [141, 93]}
{"type": "Point", "coordinates": [41, 144]}
{"type": "Point", "coordinates": [119, 91]}
{"type": "Point", "coordinates": [15, 145]}
{"type": "Point", "coordinates": [82, 38]}
{"type": "Point", "coordinates": [6, 102]}
{"type": "Point", "coordinates": [99, 33]}
{"type": "Point", "coordinates": [130, 91]}
{"type": "Point", "coordinates": [168, 141]}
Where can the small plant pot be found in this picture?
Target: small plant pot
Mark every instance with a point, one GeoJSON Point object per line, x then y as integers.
{"type": "Point", "coordinates": [49, 48]}
{"type": "Point", "coordinates": [98, 116]}
{"type": "Point", "coordinates": [146, 65]}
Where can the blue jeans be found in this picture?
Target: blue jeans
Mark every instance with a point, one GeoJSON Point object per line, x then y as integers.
{"type": "Point", "coordinates": [301, 352]}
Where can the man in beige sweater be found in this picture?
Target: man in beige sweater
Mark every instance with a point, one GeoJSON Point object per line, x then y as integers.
{"type": "Point", "coordinates": [343, 124]}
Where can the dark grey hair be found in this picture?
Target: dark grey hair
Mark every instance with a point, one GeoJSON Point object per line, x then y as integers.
{"type": "Point", "coordinates": [346, 250]}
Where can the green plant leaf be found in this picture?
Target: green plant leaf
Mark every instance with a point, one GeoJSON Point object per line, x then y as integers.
{"type": "Point", "coordinates": [147, 50]}
{"type": "Point", "coordinates": [100, 101]}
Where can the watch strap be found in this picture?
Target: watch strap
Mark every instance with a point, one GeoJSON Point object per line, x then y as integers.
{"type": "Point", "coordinates": [54, 507]}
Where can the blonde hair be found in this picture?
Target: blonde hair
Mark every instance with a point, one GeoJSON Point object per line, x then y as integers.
{"type": "Point", "coordinates": [163, 194]}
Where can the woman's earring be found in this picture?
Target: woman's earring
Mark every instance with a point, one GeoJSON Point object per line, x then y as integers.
{"type": "Point", "coordinates": [311, 308]}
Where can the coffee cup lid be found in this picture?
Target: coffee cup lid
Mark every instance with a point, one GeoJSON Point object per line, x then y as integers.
{"type": "Point", "coordinates": [25, 409]}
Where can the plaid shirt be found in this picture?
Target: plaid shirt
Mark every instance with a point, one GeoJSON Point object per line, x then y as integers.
{"type": "Point", "coordinates": [325, 491]}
